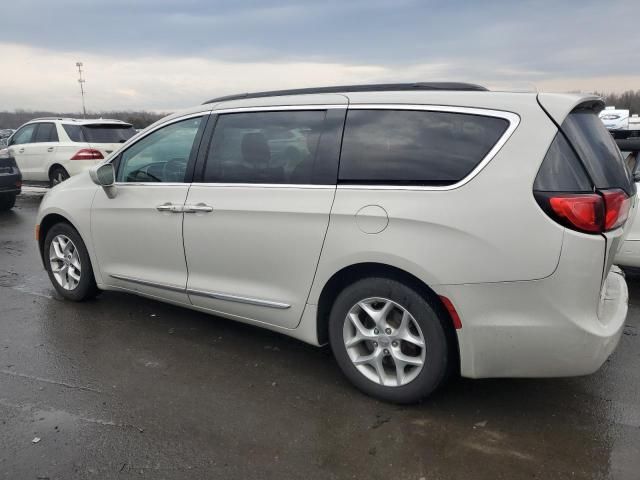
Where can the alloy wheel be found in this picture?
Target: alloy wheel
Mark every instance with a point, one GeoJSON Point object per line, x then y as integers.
{"type": "Point", "coordinates": [65, 262]}
{"type": "Point", "coordinates": [384, 342]}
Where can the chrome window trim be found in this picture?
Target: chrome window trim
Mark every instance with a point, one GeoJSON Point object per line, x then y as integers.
{"type": "Point", "coordinates": [201, 293]}
{"type": "Point", "coordinates": [512, 118]}
{"type": "Point", "coordinates": [266, 185]}
{"type": "Point", "coordinates": [151, 184]}
{"type": "Point", "coordinates": [278, 108]}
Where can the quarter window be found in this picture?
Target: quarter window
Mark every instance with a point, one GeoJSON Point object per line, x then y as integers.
{"type": "Point", "coordinates": [415, 147]}
{"type": "Point", "coordinates": [161, 156]}
{"type": "Point", "coordinates": [46, 132]}
{"type": "Point", "coordinates": [265, 147]}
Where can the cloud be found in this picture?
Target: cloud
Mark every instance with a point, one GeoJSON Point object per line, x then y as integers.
{"type": "Point", "coordinates": [163, 55]}
{"type": "Point", "coordinates": [35, 78]}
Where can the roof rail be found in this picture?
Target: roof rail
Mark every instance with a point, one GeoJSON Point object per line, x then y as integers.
{"type": "Point", "coordinates": [380, 87]}
{"type": "Point", "coordinates": [49, 118]}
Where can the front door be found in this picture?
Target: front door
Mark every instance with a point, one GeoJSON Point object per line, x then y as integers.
{"type": "Point", "coordinates": [255, 221]}
{"type": "Point", "coordinates": [43, 150]}
{"type": "Point", "coordinates": [137, 234]}
{"type": "Point", "coordinates": [20, 148]}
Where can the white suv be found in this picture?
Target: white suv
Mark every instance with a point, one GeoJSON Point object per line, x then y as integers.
{"type": "Point", "coordinates": [52, 149]}
{"type": "Point", "coordinates": [419, 229]}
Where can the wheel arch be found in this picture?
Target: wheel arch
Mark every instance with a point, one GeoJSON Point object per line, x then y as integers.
{"type": "Point", "coordinates": [46, 223]}
{"type": "Point", "coordinates": [358, 271]}
{"type": "Point", "coordinates": [53, 166]}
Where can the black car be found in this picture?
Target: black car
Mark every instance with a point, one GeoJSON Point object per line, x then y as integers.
{"type": "Point", "coordinates": [10, 182]}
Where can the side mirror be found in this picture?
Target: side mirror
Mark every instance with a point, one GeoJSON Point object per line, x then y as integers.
{"type": "Point", "coordinates": [105, 176]}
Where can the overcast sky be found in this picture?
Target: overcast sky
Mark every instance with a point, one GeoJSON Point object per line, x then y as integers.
{"type": "Point", "coordinates": [163, 55]}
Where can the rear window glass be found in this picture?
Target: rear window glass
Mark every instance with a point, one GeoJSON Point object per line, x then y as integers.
{"type": "Point", "coordinates": [561, 170]}
{"type": "Point", "coordinates": [597, 150]}
{"type": "Point", "coordinates": [415, 147]}
{"type": "Point", "coordinates": [100, 133]}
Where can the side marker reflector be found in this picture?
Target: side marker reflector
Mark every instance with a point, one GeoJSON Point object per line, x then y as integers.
{"type": "Point", "coordinates": [455, 318]}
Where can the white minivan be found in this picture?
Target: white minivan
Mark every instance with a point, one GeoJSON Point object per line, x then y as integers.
{"type": "Point", "coordinates": [419, 229]}
{"type": "Point", "coordinates": [50, 150]}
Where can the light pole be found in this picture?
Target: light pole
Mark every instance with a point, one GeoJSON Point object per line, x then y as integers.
{"type": "Point", "coordinates": [81, 82]}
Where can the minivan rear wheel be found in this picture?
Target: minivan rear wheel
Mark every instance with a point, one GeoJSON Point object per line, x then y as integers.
{"type": "Point", "coordinates": [388, 340]}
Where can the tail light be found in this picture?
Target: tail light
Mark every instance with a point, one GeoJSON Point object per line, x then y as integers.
{"type": "Point", "coordinates": [87, 154]}
{"type": "Point", "coordinates": [587, 212]}
{"type": "Point", "coordinates": [617, 206]}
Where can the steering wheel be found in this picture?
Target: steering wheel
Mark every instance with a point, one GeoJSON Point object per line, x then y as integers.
{"type": "Point", "coordinates": [174, 170]}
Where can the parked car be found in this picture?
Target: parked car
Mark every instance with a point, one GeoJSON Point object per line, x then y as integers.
{"type": "Point", "coordinates": [629, 253]}
{"type": "Point", "coordinates": [50, 150]}
{"type": "Point", "coordinates": [426, 229]}
{"type": "Point", "coordinates": [10, 181]}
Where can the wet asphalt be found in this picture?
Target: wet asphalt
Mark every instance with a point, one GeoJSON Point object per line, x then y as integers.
{"type": "Point", "coordinates": [124, 387]}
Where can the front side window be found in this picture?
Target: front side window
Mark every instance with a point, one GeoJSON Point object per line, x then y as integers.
{"type": "Point", "coordinates": [23, 135]}
{"type": "Point", "coordinates": [265, 147]}
{"type": "Point", "coordinates": [161, 156]}
{"type": "Point", "coordinates": [415, 147]}
{"type": "Point", "coordinates": [46, 132]}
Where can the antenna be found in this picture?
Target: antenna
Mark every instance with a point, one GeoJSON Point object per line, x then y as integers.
{"type": "Point", "coordinates": [81, 82]}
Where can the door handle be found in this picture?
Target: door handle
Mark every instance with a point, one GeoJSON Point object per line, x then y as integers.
{"type": "Point", "coordinates": [50, 149]}
{"type": "Point", "coordinates": [198, 208]}
{"type": "Point", "coordinates": [21, 150]}
{"type": "Point", "coordinates": [170, 207]}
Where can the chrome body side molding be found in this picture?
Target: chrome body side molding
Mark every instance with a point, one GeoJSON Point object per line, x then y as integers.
{"type": "Point", "coordinates": [201, 293]}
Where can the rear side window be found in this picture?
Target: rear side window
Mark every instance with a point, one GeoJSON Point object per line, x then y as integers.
{"type": "Point", "coordinates": [46, 132]}
{"type": "Point", "coordinates": [561, 170]}
{"type": "Point", "coordinates": [74, 132]}
{"type": "Point", "coordinates": [597, 150]}
{"type": "Point", "coordinates": [99, 133]}
{"type": "Point", "coordinates": [265, 147]}
{"type": "Point", "coordinates": [415, 147]}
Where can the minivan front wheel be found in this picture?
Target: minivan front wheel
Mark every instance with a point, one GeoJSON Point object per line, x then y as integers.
{"type": "Point", "coordinates": [68, 264]}
{"type": "Point", "coordinates": [388, 340]}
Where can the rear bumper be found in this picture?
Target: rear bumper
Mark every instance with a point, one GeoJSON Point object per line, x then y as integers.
{"type": "Point", "coordinates": [10, 183]}
{"type": "Point", "coordinates": [74, 167]}
{"type": "Point", "coordinates": [564, 325]}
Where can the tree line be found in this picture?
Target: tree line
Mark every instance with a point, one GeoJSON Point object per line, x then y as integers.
{"type": "Point", "coordinates": [626, 100]}
{"type": "Point", "coordinates": [137, 119]}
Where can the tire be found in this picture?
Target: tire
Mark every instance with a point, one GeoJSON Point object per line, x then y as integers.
{"type": "Point", "coordinates": [7, 201]}
{"type": "Point", "coordinates": [57, 175]}
{"type": "Point", "coordinates": [76, 290]}
{"type": "Point", "coordinates": [417, 382]}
